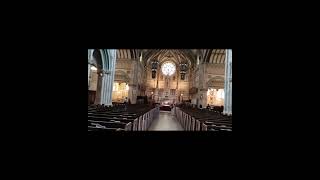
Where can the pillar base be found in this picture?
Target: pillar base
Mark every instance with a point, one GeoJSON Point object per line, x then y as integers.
{"type": "Point", "coordinates": [227, 113]}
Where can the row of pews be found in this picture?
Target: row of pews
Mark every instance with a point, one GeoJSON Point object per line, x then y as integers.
{"type": "Point", "coordinates": [193, 119]}
{"type": "Point", "coordinates": [218, 109]}
{"type": "Point", "coordinates": [121, 117]}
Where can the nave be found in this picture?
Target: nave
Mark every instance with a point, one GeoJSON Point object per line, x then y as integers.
{"type": "Point", "coordinates": [159, 90]}
{"type": "Point", "coordinates": [123, 117]}
{"type": "Point", "coordinates": [166, 121]}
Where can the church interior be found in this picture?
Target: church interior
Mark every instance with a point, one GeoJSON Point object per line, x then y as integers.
{"type": "Point", "coordinates": [159, 90]}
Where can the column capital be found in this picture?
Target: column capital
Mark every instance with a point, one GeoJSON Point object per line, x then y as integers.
{"type": "Point", "coordinates": [107, 72]}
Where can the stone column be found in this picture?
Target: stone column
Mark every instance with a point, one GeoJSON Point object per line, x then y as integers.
{"type": "Point", "coordinates": [203, 87]}
{"type": "Point", "coordinates": [107, 78]}
{"type": "Point", "coordinates": [133, 83]}
{"type": "Point", "coordinates": [156, 95]}
{"type": "Point", "coordinates": [203, 97]}
{"type": "Point", "coordinates": [132, 93]}
{"type": "Point", "coordinates": [228, 83]}
{"type": "Point", "coordinates": [89, 75]}
{"type": "Point", "coordinates": [157, 79]}
{"type": "Point", "coordinates": [89, 62]}
{"type": "Point", "coordinates": [177, 78]}
{"type": "Point", "coordinates": [105, 88]}
{"type": "Point", "coordinates": [111, 72]}
{"type": "Point", "coordinates": [100, 89]}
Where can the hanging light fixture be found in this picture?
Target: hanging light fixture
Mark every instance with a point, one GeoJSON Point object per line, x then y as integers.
{"type": "Point", "coordinates": [154, 67]}
{"type": "Point", "coordinates": [154, 64]}
{"type": "Point", "coordinates": [183, 70]}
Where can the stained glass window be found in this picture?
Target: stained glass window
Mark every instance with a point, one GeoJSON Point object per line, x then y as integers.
{"type": "Point", "coordinates": [168, 68]}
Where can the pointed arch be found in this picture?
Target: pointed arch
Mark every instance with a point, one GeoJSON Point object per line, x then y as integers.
{"type": "Point", "coordinates": [216, 82]}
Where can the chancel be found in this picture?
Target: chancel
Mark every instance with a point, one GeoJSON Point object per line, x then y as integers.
{"type": "Point", "coordinates": [159, 90]}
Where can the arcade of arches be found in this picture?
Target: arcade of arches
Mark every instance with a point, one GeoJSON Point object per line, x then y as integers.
{"type": "Point", "coordinates": [200, 78]}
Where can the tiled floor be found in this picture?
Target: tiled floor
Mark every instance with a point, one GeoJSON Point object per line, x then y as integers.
{"type": "Point", "coordinates": [165, 122]}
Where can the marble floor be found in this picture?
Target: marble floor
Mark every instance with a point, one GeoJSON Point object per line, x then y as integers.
{"type": "Point", "coordinates": [166, 121]}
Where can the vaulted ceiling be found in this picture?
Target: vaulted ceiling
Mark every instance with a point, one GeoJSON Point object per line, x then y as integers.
{"type": "Point", "coordinates": [191, 55]}
{"type": "Point", "coordinates": [180, 55]}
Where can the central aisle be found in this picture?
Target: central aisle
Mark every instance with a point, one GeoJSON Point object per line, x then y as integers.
{"type": "Point", "coordinates": [165, 122]}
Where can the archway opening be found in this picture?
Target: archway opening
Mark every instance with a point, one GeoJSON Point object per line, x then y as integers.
{"type": "Point", "coordinates": [95, 78]}
{"type": "Point", "coordinates": [120, 92]}
{"type": "Point", "coordinates": [215, 93]}
{"type": "Point", "coordinates": [215, 97]}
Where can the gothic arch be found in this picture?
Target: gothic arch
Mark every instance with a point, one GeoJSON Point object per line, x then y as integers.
{"type": "Point", "coordinates": [98, 58]}
{"type": "Point", "coordinates": [121, 76]}
{"type": "Point", "coordinates": [104, 58]}
{"type": "Point", "coordinates": [216, 82]}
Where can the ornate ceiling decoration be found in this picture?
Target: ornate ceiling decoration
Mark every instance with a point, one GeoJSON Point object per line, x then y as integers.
{"type": "Point", "coordinates": [215, 56]}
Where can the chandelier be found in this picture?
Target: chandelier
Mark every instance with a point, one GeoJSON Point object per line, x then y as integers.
{"type": "Point", "coordinates": [183, 70]}
{"type": "Point", "coordinates": [154, 67]}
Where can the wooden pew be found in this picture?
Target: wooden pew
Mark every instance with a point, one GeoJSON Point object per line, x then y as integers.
{"type": "Point", "coordinates": [198, 120]}
{"type": "Point", "coordinates": [140, 117]}
{"type": "Point", "coordinates": [110, 124]}
{"type": "Point", "coordinates": [96, 129]}
{"type": "Point", "coordinates": [128, 125]}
